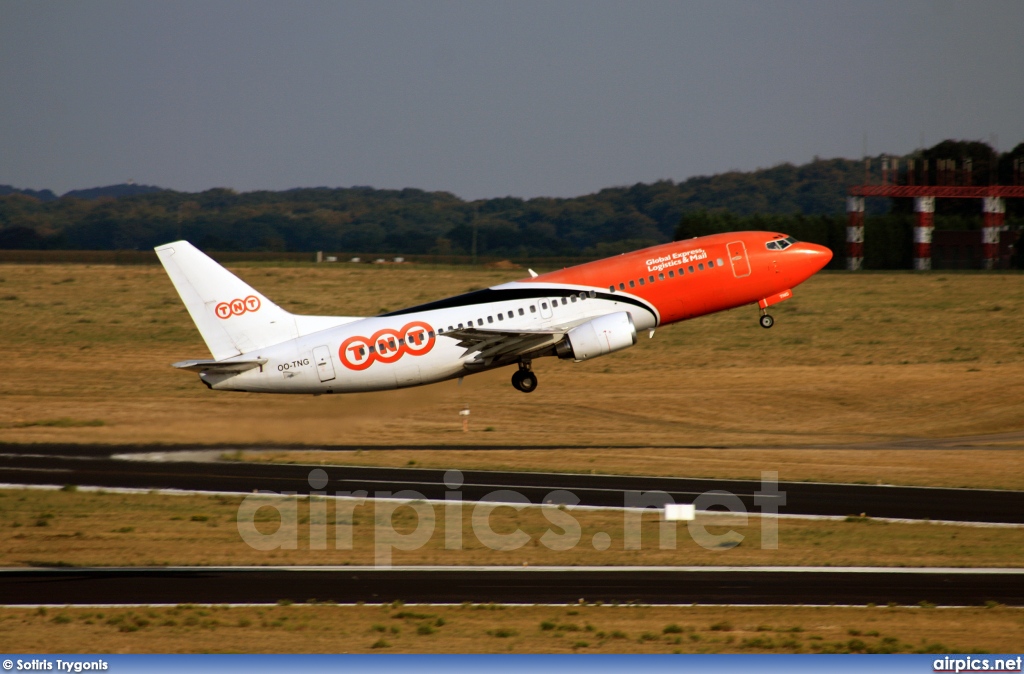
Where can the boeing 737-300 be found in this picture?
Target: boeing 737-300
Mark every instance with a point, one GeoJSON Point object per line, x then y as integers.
{"type": "Point", "coordinates": [577, 313]}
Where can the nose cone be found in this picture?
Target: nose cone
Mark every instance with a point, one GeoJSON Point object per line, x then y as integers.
{"type": "Point", "coordinates": [809, 259]}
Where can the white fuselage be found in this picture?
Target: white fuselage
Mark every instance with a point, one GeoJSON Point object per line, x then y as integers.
{"type": "Point", "coordinates": [410, 348]}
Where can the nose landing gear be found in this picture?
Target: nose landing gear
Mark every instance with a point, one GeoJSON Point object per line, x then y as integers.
{"type": "Point", "coordinates": [524, 379]}
{"type": "Point", "coordinates": [766, 320]}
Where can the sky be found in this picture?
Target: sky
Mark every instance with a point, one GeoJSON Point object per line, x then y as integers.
{"type": "Point", "coordinates": [489, 99]}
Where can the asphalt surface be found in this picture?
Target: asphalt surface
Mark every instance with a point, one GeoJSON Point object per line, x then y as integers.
{"type": "Point", "coordinates": [94, 466]}
{"type": "Point", "coordinates": [949, 587]}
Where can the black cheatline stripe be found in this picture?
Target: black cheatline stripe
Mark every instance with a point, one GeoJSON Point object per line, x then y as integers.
{"type": "Point", "coordinates": [489, 295]}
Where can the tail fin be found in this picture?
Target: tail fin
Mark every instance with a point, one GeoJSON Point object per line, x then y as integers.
{"type": "Point", "coordinates": [232, 317]}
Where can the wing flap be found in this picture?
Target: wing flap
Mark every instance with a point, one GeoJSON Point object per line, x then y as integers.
{"type": "Point", "coordinates": [493, 345]}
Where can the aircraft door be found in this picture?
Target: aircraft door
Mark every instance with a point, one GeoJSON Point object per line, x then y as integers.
{"type": "Point", "coordinates": [738, 259]}
{"type": "Point", "coordinates": [545, 307]}
{"type": "Point", "coordinates": [324, 367]}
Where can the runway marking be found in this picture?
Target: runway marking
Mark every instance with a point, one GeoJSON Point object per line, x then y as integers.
{"type": "Point", "coordinates": [639, 477]}
{"type": "Point", "coordinates": [52, 456]}
{"type": "Point", "coordinates": [38, 470]}
{"type": "Point", "coordinates": [159, 457]}
{"type": "Point", "coordinates": [513, 604]}
{"type": "Point", "coordinates": [876, 570]}
{"type": "Point", "coordinates": [707, 513]}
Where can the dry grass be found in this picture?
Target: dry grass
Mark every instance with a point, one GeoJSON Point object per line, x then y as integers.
{"type": "Point", "coordinates": [510, 629]}
{"type": "Point", "coordinates": [870, 358]}
{"type": "Point", "coordinates": [852, 358]}
{"type": "Point", "coordinates": [76, 528]}
{"type": "Point", "coordinates": [971, 468]}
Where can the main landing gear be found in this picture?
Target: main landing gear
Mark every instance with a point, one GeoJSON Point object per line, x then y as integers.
{"type": "Point", "coordinates": [766, 320]}
{"type": "Point", "coordinates": [524, 379]}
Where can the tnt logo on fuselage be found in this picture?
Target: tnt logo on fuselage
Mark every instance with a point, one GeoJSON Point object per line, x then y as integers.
{"type": "Point", "coordinates": [226, 310]}
{"type": "Point", "coordinates": [386, 346]}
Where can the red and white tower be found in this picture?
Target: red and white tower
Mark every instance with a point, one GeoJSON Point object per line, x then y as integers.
{"type": "Point", "coordinates": [854, 233]}
{"type": "Point", "coordinates": [994, 209]}
{"type": "Point", "coordinates": [924, 225]}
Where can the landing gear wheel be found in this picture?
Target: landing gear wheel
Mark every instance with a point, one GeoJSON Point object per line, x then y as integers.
{"type": "Point", "coordinates": [524, 380]}
{"type": "Point", "coordinates": [767, 321]}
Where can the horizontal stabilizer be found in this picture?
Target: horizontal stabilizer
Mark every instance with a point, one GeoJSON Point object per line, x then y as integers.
{"type": "Point", "coordinates": [220, 366]}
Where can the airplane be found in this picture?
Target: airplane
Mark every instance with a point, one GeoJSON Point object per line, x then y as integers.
{"type": "Point", "coordinates": [577, 313]}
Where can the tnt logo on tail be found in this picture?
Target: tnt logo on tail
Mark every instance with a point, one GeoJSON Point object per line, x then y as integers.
{"type": "Point", "coordinates": [226, 310]}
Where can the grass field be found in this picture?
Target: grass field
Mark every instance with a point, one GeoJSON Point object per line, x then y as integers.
{"type": "Point", "coordinates": [511, 629]}
{"type": "Point", "coordinates": [78, 528]}
{"type": "Point", "coordinates": [872, 360]}
{"type": "Point", "coordinates": [852, 359]}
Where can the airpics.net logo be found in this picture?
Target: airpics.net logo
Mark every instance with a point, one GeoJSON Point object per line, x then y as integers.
{"type": "Point", "coordinates": [446, 518]}
{"type": "Point", "coordinates": [969, 664]}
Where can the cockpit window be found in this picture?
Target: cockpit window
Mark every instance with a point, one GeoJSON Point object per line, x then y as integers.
{"type": "Point", "coordinates": [780, 244]}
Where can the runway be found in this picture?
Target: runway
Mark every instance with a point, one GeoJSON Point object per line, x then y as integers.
{"type": "Point", "coordinates": [94, 466]}
{"type": "Point", "coordinates": [529, 585]}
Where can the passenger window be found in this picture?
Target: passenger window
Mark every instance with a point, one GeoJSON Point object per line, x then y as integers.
{"type": "Point", "coordinates": [701, 266]}
{"type": "Point", "coordinates": [362, 352]}
{"type": "Point", "coordinates": [450, 328]}
{"type": "Point", "coordinates": [490, 319]}
{"type": "Point", "coordinates": [641, 281]}
{"type": "Point", "coordinates": [564, 301]}
{"type": "Point", "coordinates": [622, 286]}
{"type": "Point", "coordinates": [521, 312]}
{"type": "Point", "coordinates": [611, 288]}
{"type": "Point", "coordinates": [720, 263]}
{"type": "Point", "coordinates": [510, 314]}
{"type": "Point", "coordinates": [592, 294]}
{"type": "Point", "coordinates": [691, 268]}
{"type": "Point", "coordinates": [671, 274]}
{"type": "Point", "coordinates": [533, 309]}
{"type": "Point", "coordinates": [632, 283]}
{"type": "Point", "coordinates": [583, 296]}
{"type": "Point", "coordinates": [711, 265]}
{"type": "Point", "coordinates": [573, 298]}
{"type": "Point", "coordinates": [543, 306]}
{"type": "Point", "coordinates": [479, 321]}
{"type": "Point", "coordinates": [651, 278]}
{"type": "Point", "coordinates": [430, 334]}
{"type": "Point", "coordinates": [460, 326]}
{"type": "Point", "coordinates": [661, 276]}
{"type": "Point", "coordinates": [501, 317]}
{"type": "Point", "coordinates": [373, 349]}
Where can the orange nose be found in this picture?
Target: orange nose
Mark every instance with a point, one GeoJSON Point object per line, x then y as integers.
{"type": "Point", "coordinates": [809, 258]}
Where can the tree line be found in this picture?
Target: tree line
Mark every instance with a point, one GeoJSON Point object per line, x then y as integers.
{"type": "Point", "coordinates": [806, 201]}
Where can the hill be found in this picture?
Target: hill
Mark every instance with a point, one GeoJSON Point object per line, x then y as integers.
{"type": "Point", "coordinates": [806, 201]}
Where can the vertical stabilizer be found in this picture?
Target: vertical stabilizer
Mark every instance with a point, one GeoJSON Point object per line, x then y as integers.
{"type": "Point", "coordinates": [232, 317]}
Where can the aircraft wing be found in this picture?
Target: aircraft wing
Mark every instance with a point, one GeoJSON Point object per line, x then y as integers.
{"type": "Point", "coordinates": [499, 345]}
{"type": "Point", "coordinates": [224, 366]}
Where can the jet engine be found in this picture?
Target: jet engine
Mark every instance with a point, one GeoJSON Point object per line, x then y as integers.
{"type": "Point", "coordinates": [597, 337]}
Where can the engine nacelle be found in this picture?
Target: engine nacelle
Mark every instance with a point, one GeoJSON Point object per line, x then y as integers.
{"type": "Point", "coordinates": [598, 337]}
